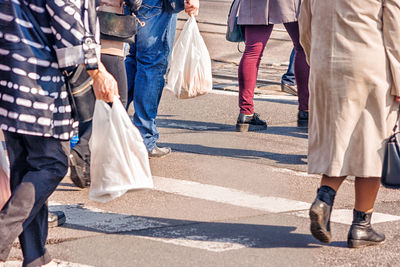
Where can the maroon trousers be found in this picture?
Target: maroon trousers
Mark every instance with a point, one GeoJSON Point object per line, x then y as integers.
{"type": "Point", "coordinates": [257, 37]}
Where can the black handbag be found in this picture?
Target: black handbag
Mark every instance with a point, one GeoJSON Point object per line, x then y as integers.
{"type": "Point", "coordinates": [391, 161]}
{"type": "Point", "coordinates": [81, 93]}
{"type": "Point", "coordinates": [234, 31]}
{"type": "Point", "coordinates": [117, 27]}
{"type": "Point", "coordinates": [174, 6]}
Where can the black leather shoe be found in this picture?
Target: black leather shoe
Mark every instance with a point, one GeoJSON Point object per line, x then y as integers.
{"type": "Point", "coordinates": [80, 170]}
{"type": "Point", "coordinates": [56, 218]}
{"type": "Point", "coordinates": [320, 214]}
{"type": "Point", "coordinates": [361, 233]}
{"type": "Point", "coordinates": [250, 123]}
{"type": "Point", "coordinates": [302, 118]}
{"type": "Point", "coordinates": [159, 152]}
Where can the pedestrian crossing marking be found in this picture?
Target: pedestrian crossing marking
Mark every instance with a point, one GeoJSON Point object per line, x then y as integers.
{"type": "Point", "coordinates": [227, 195]}
{"type": "Point", "coordinates": [159, 229]}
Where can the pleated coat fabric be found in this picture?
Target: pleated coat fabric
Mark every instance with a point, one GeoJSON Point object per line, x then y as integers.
{"type": "Point", "coordinates": [265, 12]}
{"type": "Point", "coordinates": [353, 48]}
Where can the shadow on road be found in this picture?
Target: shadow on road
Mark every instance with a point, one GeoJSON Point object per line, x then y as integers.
{"type": "Point", "coordinates": [239, 153]}
{"type": "Point", "coordinates": [209, 126]}
{"type": "Point", "coordinates": [214, 236]}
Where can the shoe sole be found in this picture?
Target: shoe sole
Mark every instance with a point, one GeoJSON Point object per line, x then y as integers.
{"type": "Point", "coordinates": [302, 123]}
{"type": "Point", "coordinates": [286, 89]}
{"type": "Point", "coordinates": [356, 243]}
{"type": "Point", "coordinates": [245, 127]}
{"type": "Point", "coordinates": [161, 156]}
{"type": "Point", "coordinates": [58, 222]}
{"type": "Point", "coordinates": [319, 232]}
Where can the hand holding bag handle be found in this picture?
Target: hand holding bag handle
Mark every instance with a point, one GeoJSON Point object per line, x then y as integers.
{"type": "Point", "coordinates": [391, 162]}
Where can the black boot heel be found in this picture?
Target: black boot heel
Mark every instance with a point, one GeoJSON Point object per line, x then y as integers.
{"type": "Point", "coordinates": [361, 233]}
{"type": "Point", "coordinates": [320, 214]}
{"type": "Point", "coordinates": [318, 227]}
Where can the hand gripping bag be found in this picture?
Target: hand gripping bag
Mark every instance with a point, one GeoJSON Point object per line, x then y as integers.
{"type": "Point", "coordinates": [190, 68]}
{"type": "Point", "coordinates": [5, 190]}
{"type": "Point", "coordinates": [119, 160]}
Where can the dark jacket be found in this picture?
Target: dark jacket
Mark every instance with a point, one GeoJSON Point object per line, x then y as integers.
{"type": "Point", "coordinates": [33, 99]}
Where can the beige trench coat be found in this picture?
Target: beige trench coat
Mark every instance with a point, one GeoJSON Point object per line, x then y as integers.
{"type": "Point", "coordinates": [264, 12]}
{"type": "Point", "coordinates": [353, 48]}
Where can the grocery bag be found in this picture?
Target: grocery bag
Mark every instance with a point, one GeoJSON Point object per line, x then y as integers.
{"type": "Point", "coordinates": [190, 66]}
{"type": "Point", "coordinates": [119, 160]}
{"type": "Point", "coordinates": [5, 191]}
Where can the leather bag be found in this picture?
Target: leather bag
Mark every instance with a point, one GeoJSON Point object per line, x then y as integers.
{"type": "Point", "coordinates": [117, 27]}
{"type": "Point", "coordinates": [81, 93]}
{"type": "Point", "coordinates": [391, 161]}
{"type": "Point", "coordinates": [234, 32]}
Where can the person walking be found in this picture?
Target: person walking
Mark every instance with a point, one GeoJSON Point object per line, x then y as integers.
{"type": "Point", "coordinates": [258, 18]}
{"type": "Point", "coordinates": [353, 108]}
{"type": "Point", "coordinates": [35, 113]}
{"type": "Point", "coordinates": [113, 58]}
{"type": "Point", "coordinates": [147, 63]}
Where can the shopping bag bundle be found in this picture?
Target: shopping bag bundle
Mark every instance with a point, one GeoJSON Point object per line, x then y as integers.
{"type": "Point", "coordinates": [119, 160]}
{"type": "Point", "coordinates": [190, 69]}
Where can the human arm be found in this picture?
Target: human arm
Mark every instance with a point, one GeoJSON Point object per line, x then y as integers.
{"type": "Point", "coordinates": [104, 84]}
{"type": "Point", "coordinates": [76, 41]}
{"type": "Point", "coordinates": [192, 7]}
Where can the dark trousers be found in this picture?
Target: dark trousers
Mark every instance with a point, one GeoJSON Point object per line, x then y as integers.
{"type": "Point", "coordinates": [257, 37]}
{"type": "Point", "coordinates": [116, 66]}
{"type": "Point", "coordinates": [37, 165]}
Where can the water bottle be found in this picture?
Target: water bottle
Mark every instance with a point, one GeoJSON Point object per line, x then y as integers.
{"type": "Point", "coordinates": [74, 140]}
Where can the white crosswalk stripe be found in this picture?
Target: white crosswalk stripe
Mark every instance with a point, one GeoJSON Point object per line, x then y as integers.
{"type": "Point", "coordinates": [108, 222]}
{"type": "Point", "coordinates": [59, 262]}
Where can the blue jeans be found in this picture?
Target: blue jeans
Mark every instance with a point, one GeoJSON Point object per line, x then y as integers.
{"type": "Point", "coordinates": [288, 77]}
{"type": "Point", "coordinates": [146, 65]}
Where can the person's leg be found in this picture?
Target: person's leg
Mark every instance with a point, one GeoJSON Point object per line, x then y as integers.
{"type": "Point", "coordinates": [152, 51]}
{"type": "Point", "coordinates": [321, 208]}
{"type": "Point", "coordinates": [79, 156]}
{"type": "Point", "coordinates": [116, 66]}
{"type": "Point", "coordinates": [361, 233]}
{"type": "Point", "coordinates": [130, 66]}
{"type": "Point", "coordinates": [37, 165]}
{"type": "Point", "coordinates": [288, 80]}
{"type": "Point", "coordinates": [301, 68]}
{"type": "Point", "coordinates": [256, 38]}
{"type": "Point", "coordinates": [366, 190]}
{"type": "Point", "coordinates": [288, 77]}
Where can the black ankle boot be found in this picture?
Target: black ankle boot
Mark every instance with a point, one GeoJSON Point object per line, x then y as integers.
{"type": "Point", "coordinates": [361, 233]}
{"type": "Point", "coordinates": [320, 214]}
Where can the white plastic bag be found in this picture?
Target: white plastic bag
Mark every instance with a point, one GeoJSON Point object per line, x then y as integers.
{"type": "Point", "coordinates": [119, 160]}
{"type": "Point", "coordinates": [190, 68]}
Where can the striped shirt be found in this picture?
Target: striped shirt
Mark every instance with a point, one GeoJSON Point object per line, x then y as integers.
{"type": "Point", "coordinates": [33, 98]}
